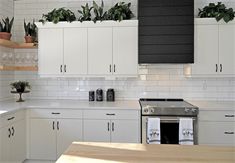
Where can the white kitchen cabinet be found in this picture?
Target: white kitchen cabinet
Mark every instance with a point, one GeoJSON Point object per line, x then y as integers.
{"type": "Point", "coordinates": [52, 131]}
{"type": "Point", "coordinates": [100, 51]}
{"type": "Point", "coordinates": [97, 130]}
{"type": "Point", "coordinates": [125, 131]}
{"type": "Point", "coordinates": [227, 49]}
{"type": "Point", "coordinates": [214, 49]}
{"type": "Point", "coordinates": [50, 50]}
{"type": "Point", "coordinates": [125, 50]}
{"type": "Point", "coordinates": [13, 139]}
{"type": "Point", "coordinates": [68, 130]}
{"type": "Point", "coordinates": [216, 127]}
{"type": "Point", "coordinates": [42, 139]}
{"type": "Point", "coordinates": [112, 126]}
{"type": "Point", "coordinates": [88, 49]}
{"type": "Point", "coordinates": [217, 133]}
{"type": "Point", "coordinates": [75, 51]}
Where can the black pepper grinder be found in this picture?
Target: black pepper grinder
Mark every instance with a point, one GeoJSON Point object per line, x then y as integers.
{"type": "Point", "coordinates": [99, 95]}
{"type": "Point", "coordinates": [91, 95]}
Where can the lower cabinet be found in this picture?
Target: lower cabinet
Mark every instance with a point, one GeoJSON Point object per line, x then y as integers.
{"type": "Point", "coordinates": [217, 128]}
{"type": "Point", "coordinates": [49, 138]}
{"type": "Point", "coordinates": [112, 126]}
{"type": "Point", "coordinates": [13, 140]}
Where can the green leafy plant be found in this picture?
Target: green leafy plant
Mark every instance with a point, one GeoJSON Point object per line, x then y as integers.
{"type": "Point", "coordinates": [58, 15]}
{"type": "Point", "coordinates": [6, 25]}
{"type": "Point", "coordinates": [30, 29]}
{"type": "Point", "coordinates": [20, 86]}
{"type": "Point", "coordinates": [99, 12]}
{"type": "Point", "coordinates": [218, 11]}
{"type": "Point", "coordinates": [120, 11]}
{"type": "Point", "coordinates": [85, 13]}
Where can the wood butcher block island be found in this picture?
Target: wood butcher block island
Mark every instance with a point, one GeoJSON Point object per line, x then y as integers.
{"type": "Point", "coordinates": [89, 152]}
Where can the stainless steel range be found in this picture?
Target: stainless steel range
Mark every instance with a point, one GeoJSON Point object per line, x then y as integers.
{"type": "Point", "coordinates": [169, 111]}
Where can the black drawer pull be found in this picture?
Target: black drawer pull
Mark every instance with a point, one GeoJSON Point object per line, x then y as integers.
{"type": "Point", "coordinates": [55, 113]}
{"type": "Point", "coordinates": [110, 114]}
{"type": "Point", "coordinates": [10, 118]}
{"type": "Point", "coordinates": [229, 116]}
{"type": "Point", "coordinates": [228, 133]}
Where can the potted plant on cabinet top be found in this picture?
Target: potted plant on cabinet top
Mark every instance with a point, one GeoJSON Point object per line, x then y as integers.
{"type": "Point", "coordinates": [218, 11]}
{"type": "Point", "coordinates": [5, 28]}
{"type": "Point", "coordinates": [30, 32]}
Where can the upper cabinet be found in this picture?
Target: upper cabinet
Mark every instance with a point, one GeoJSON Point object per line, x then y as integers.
{"type": "Point", "coordinates": [99, 49]}
{"type": "Point", "coordinates": [214, 49]}
{"type": "Point", "coordinates": [166, 31]}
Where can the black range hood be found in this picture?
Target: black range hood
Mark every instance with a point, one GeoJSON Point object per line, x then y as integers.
{"type": "Point", "coordinates": [166, 31]}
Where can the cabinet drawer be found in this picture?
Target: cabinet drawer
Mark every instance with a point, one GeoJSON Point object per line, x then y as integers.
{"type": "Point", "coordinates": [13, 117]}
{"type": "Point", "coordinates": [217, 133]}
{"type": "Point", "coordinates": [111, 114]}
{"type": "Point", "coordinates": [55, 113]}
{"type": "Point", "coordinates": [217, 116]}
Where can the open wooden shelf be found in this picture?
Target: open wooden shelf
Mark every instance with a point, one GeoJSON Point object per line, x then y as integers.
{"type": "Point", "coordinates": [18, 68]}
{"type": "Point", "coordinates": [15, 45]}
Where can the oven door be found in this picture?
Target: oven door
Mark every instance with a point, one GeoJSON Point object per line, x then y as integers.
{"type": "Point", "coordinates": [169, 129]}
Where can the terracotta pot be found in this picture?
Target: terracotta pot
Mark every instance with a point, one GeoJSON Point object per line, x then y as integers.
{"type": "Point", "coordinates": [5, 35]}
{"type": "Point", "coordinates": [29, 39]}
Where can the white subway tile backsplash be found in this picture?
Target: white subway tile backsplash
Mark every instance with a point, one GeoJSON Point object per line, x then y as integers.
{"type": "Point", "coordinates": [154, 81]}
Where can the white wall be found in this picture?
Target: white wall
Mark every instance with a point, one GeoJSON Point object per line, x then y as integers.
{"type": "Point", "coordinates": [155, 81]}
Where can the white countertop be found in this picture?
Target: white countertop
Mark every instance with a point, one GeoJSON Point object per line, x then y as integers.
{"type": "Point", "coordinates": [9, 106]}
{"type": "Point", "coordinates": [214, 105]}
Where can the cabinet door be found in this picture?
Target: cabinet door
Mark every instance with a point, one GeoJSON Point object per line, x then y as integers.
{"type": "Point", "coordinates": [125, 131]}
{"type": "Point", "coordinates": [5, 144]}
{"type": "Point", "coordinates": [206, 50]}
{"type": "Point", "coordinates": [50, 51]}
{"type": "Point", "coordinates": [100, 51]}
{"type": "Point", "coordinates": [68, 130]}
{"type": "Point", "coordinates": [227, 49]}
{"type": "Point", "coordinates": [217, 133]}
{"type": "Point", "coordinates": [75, 51]}
{"type": "Point", "coordinates": [125, 50]}
{"type": "Point", "coordinates": [18, 141]}
{"type": "Point", "coordinates": [97, 130]}
{"type": "Point", "coordinates": [42, 139]}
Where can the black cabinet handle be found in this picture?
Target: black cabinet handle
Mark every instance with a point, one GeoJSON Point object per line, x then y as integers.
{"type": "Point", "coordinates": [110, 68]}
{"type": "Point", "coordinates": [13, 131]}
{"type": "Point", "coordinates": [64, 68]}
{"type": "Point", "coordinates": [108, 126]}
{"type": "Point", "coordinates": [110, 114]}
{"type": "Point", "coordinates": [228, 133]}
{"type": "Point", "coordinates": [53, 125]}
{"type": "Point", "coordinates": [61, 68]}
{"type": "Point", "coordinates": [112, 126]}
{"type": "Point", "coordinates": [114, 68]}
{"type": "Point", "coordinates": [55, 113]}
{"type": "Point", "coordinates": [58, 127]}
{"type": "Point", "coordinates": [9, 132]}
{"type": "Point", "coordinates": [216, 67]}
{"type": "Point", "coordinates": [11, 118]}
{"type": "Point", "coordinates": [221, 67]}
{"type": "Point", "coordinates": [229, 116]}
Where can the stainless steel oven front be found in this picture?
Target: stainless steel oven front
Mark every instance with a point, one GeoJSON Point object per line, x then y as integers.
{"type": "Point", "coordinates": [169, 126]}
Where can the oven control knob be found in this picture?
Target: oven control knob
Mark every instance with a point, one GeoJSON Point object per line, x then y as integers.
{"type": "Point", "coordinates": [186, 110]}
{"type": "Point", "coordinates": [194, 110]}
{"type": "Point", "coordinates": [152, 110]}
{"type": "Point", "coordinates": [146, 110]}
